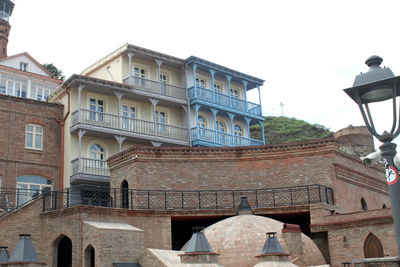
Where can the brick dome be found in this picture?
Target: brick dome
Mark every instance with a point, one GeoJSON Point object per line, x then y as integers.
{"type": "Point", "coordinates": [240, 238]}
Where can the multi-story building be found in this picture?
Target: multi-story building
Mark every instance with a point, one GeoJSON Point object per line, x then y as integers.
{"type": "Point", "coordinates": [21, 75]}
{"type": "Point", "coordinates": [138, 96]}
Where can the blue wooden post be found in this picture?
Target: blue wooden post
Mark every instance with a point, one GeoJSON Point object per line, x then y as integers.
{"type": "Point", "coordinates": [231, 116]}
{"type": "Point", "coordinates": [212, 72]}
{"type": "Point", "coordinates": [228, 78]}
{"type": "Point", "coordinates": [194, 76]}
{"type": "Point", "coordinates": [245, 94]}
{"type": "Point", "coordinates": [262, 131]}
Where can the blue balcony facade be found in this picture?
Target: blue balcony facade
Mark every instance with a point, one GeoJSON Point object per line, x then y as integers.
{"type": "Point", "coordinates": [220, 94]}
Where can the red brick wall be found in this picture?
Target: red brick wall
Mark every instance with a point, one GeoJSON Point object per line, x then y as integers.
{"type": "Point", "coordinates": [15, 159]}
{"type": "Point", "coordinates": [249, 168]}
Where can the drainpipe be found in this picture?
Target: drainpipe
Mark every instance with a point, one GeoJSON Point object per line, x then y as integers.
{"type": "Point", "coordinates": [62, 124]}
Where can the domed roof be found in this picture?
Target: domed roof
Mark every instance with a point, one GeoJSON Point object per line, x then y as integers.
{"type": "Point", "coordinates": [240, 238]}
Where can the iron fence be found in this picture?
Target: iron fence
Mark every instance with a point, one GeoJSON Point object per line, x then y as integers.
{"type": "Point", "coordinates": [14, 198]}
{"type": "Point", "coordinates": [186, 200]}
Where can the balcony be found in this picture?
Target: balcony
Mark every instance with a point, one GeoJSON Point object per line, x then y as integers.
{"type": "Point", "coordinates": [89, 170]}
{"type": "Point", "coordinates": [135, 128]}
{"type": "Point", "coordinates": [202, 95]}
{"type": "Point", "coordinates": [208, 137]}
{"type": "Point", "coordinates": [155, 87]}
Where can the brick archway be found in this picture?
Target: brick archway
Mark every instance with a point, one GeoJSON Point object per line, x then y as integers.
{"type": "Point", "coordinates": [373, 247]}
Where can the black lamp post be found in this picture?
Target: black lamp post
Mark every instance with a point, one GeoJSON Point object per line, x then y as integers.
{"type": "Point", "coordinates": [376, 85]}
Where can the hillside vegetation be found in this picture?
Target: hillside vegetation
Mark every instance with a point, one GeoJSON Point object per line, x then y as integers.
{"type": "Point", "coordinates": [284, 130]}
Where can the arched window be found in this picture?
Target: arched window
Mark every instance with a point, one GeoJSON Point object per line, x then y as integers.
{"type": "Point", "coordinates": [89, 256]}
{"type": "Point", "coordinates": [64, 252]}
{"type": "Point", "coordinates": [96, 152]}
{"type": "Point", "coordinates": [363, 204]}
{"type": "Point", "coordinates": [30, 186]}
{"type": "Point", "coordinates": [373, 247]}
{"type": "Point", "coordinates": [124, 194]}
{"type": "Point", "coordinates": [34, 136]}
{"type": "Point", "coordinates": [202, 122]}
{"type": "Point", "coordinates": [220, 126]}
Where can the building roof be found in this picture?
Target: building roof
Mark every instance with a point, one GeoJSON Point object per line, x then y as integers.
{"type": "Point", "coordinates": [33, 60]}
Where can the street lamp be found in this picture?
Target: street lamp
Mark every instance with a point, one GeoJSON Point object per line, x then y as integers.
{"type": "Point", "coordinates": [378, 85]}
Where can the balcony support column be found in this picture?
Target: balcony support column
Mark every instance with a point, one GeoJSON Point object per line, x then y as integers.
{"type": "Point", "coordinates": [194, 79]}
{"type": "Point", "coordinates": [214, 112]}
{"type": "Point", "coordinates": [245, 94]}
{"type": "Point", "coordinates": [259, 98]}
{"type": "Point", "coordinates": [262, 131]}
{"type": "Point", "coordinates": [159, 62]}
{"type": "Point", "coordinates": [81, 133]}
{"type": "Point", "coordinates": [228, 78]}
{"type": "Point", "coordinates": [130, 55]}
{"type": "Point", "coordinates": [196, 108]}
{"type": "Point", "coordinates": [154, 102]}
{"type": "Point", "coordinates": [119, 96]}
{"type": "Point", "coordinates": [232, 116]}
{"type": "Point", "coordinates": [212, 72]}
{"type": "Point", "coordinates": [120, 139]}
{"type": "Point", "coordinates": [248, 120]}
{"type": "Point", "coordinates": [80, 88]}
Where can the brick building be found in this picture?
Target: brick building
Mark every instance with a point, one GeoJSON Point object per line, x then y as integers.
{"type": "Point", "coordinates": [158, 194]}
{"type": "Point", "coordinates": [30, 149]}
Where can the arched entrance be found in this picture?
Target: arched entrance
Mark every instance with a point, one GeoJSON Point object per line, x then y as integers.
{"type": "Point", "coordinates": [89, 256]}
{"type": "Point", "coordinates": [124, 194]}
{"type": "Point", "coordinates": [373, 247]}
{"type": "Point", "coordinates": [64, 252]}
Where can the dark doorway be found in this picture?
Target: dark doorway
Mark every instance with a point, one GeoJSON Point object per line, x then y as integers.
{"type": "Point", "coordinates": [64, 252]}
{"type": "Point", "coordinates": [373, 247]}
{"type": "Point", "coordinates": [89, 256]}
{"type": "Point", "coordinates": [124, 194]}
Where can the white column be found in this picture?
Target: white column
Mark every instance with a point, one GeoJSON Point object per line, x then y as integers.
{"type": "Point", "coordinates": [130, 55]}
{"type": "Point", "coordinates": [159, 62]}
{"type": "Point", "coordinates": [120, 139]}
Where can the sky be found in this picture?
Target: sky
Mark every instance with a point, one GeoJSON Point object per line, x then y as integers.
{"type": "Point", "coordinates": [306, 51]}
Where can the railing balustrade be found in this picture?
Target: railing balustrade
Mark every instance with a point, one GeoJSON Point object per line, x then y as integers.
{"type": "Point", "coordinates": [224, 100]}
{"type": "Point", "coordinates": [90, 166]}
{"type": "Point", "coordinates": [186, 200]}
{"type": "Point", "coordinates": [14, 198]}
{"type": "Point", "coordinates": [221, 138]}
{"type": "Point", "coordinates": [112, 121]}
{"type": "Point", "coordinates": [158, 88]}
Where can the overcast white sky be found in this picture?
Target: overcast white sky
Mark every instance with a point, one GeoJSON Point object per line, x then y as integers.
{"type": "Point", "coordinates": [306, 51]}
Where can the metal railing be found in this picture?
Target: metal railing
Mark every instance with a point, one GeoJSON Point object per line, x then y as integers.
{"type": "Point", "coordinates": [90, 166]}
{"type": "Point", "coordinates": [157, 87]}
{"type": "Point", "coordinates": [224, 100]}
{"type": "Point", "coordinates": [112, 121]}
{"type": "Point", "coordinates": [186, 200]}
{"type": "Point", "coordinates": [222, 139]}
{"type": "Point", "coordinates": [14, 198]}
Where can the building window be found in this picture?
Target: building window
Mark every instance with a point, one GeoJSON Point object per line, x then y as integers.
{"type": "Point", "coordinates": [364, 204]}
{"type": "Point", "coordinates": [96, 107]}
{"type": "Point", "coordinates": [237, 132]}
{"type": "Point", "coordinates": [128, 120]}
{"type": "Point", "coordinates": [23, 66]}
{"type": "Point", "coordinates": [220, 126]}
{"type": "Point", "coordinates": [34, 137]}
{"type": "Point", "coordinates": [140, 74]}
{"type": "Point", "coordinates": [201, 122]}
{"type": "Point", "coordinates": [201, 83]}
{"type": "Point", "coordinates": [31, 186]}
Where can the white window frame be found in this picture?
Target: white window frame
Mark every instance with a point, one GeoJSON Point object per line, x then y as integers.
{"type": "Point", "coordinates": [35, 135]}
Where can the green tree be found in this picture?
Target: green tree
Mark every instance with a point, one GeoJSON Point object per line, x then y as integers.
{"type": "Point", "coordinates": [54, 70]}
